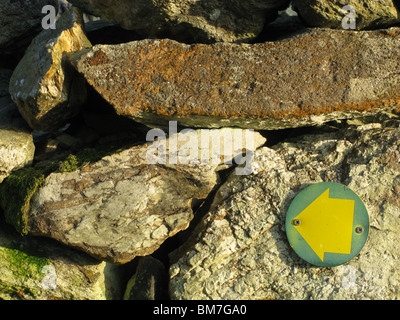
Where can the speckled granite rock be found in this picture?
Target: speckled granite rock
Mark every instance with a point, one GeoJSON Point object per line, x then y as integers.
{"type": "Point", "coordinates": [240, 249]}
{"type": "Point", "coordinates": [317, 76]}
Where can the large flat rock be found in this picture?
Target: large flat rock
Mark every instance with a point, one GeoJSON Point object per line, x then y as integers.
{"type": "Point", "coordinates": [127, 203]}
{"type": "Point", "coordinates": [317, 76]}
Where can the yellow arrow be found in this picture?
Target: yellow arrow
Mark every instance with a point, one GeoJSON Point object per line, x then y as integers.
{"type": "Point", "coordinates": [327, 225]}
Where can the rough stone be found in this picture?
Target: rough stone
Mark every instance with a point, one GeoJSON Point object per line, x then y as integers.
{"type": "Point", "coordinates": [194, 21]}
{"type": "Point", "coordinates": [317, 76]}
{"type": "Point", "coordinates": [330, 14]}
{"type": "Point", "coordinates": [150, 281]}
{"type": "Point", "coordinates": [46, 89]}
{"type": "Point", "coordinates": [20, 21]}
{"type": "Point", "coordinates": [16, 143]}
{"type": "Point", "coordinates": [128, 203]}
{"type": "Point", "coordinates": [240, 249]}
{"type": "Point", "coordinates": [41, 269]}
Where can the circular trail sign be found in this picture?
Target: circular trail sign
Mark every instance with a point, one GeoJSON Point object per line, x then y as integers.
{"type": "Point", "coordinates": [327, 224]}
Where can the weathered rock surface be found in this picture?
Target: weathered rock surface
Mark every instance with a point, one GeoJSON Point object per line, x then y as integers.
{"type": "Point", "coordinates": [240, 249]}
{"type": "Point", "coordinates": [314, 77]}
{"type": "Point", "coordinates": [40, 269]}
{"type": "Point", "coordinates": [16, 143]}
{"type": "Point", "coordinates": [329, 14]}
{"type": "Point", "coordinates": [128, 203]}
{"type": "Point", "coordinates": [20, 21]}
{"type": "Point", "coordinates": [46, 89]}
{"type": "Point", "coordinates": [150, 281]}
{"type": "Point", "coordinates": [200, 21]}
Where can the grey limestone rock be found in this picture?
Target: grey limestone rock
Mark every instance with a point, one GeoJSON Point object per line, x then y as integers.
{"type": "Point", "coordinates": [128, 203]}
{"type": "Point", "coordinates": [240, 249]}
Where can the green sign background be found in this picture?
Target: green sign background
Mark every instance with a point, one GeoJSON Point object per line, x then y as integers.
{"type": "Point", "coordinates": [303, 200]}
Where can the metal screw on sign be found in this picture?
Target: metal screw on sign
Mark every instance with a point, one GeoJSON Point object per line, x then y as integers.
{"type": "Point", "coordinates": [359, 230]}
{"type": "Point", "coordinates": [296, 222]}
{"type": "Point", "coordinates": [327, 224]}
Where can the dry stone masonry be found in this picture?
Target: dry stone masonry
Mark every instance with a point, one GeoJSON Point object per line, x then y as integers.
{"type": "Point", "coordinates": [150, 150]}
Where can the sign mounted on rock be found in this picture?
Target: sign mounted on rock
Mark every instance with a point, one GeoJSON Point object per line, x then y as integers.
{"type": "Point", "coordinates": [327, 224]}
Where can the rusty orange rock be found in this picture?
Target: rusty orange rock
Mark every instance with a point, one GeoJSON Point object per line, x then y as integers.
{"type": "Point", "coordinates": [314, 77]}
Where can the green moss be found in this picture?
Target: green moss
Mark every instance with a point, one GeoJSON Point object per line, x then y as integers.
{"type": "Point", "coordinates": [85, 157]}
{"type": "Point", "coordinates": [17, 190]}
{"type": "Point", "coordinates": [24, 265]}
{"type": "Point", "coordinates": [70, 164]}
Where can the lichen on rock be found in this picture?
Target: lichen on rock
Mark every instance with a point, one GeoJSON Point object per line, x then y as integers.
{"type": "Point", "coordinates": [314, 77]}
{"type": "Point", "coordinates": [104, 213]}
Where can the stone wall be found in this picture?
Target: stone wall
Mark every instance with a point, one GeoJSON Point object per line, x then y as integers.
{"type": "Point", "coordinates": [152, 151]}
